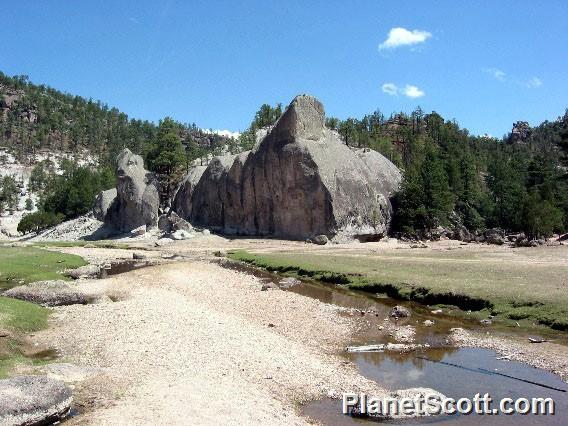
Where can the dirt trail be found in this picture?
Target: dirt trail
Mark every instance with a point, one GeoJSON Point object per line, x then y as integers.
{"type": "Point", "coordinates": [195, 342]}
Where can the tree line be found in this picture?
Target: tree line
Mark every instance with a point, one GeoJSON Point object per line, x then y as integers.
{"type": "Point", "coordinates": [452, 179]}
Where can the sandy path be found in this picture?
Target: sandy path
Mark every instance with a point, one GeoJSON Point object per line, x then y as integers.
{"type": "Point", "coordinates": [195, 343]}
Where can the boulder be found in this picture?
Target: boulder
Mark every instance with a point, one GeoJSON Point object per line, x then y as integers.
{"type": "Point", "coordinates": [462, 234]}
{"type": "Point", "coordinates": [399, 312]}
{"type": "Point", "coordinates": [172, 222]}
{"type": "Point", "coordinates": [102, 203]}
{"type": "Point", "coordinates": [181, 235]}
{"type": "Point", "coordinates": [137, 200]}
{"type": "Point", "coordinates": [49, 293]}
{"type": "Point", "coordinates": [87, 271]}
{"type": "Point", "coordinates": [33, 400]}
{"type": "Point", "coordinates": [495, 236]}
{"type": "Point", "coordinates": [300, 180]}
{"type": "Point", "coordinates": [320, 240]}
{"type": "Point", "coordinates": [70, 373]}
{"type": "Point", "coordinates": [139, 231]}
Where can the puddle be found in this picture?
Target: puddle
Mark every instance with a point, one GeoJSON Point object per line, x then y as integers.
{"type": "Point", "coordinates": [400, 371]}
{"type": "Point", "coordinates": [473, 370]}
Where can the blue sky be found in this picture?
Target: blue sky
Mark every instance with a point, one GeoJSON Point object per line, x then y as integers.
{"type": "Point", "coordinates": [486, 64]}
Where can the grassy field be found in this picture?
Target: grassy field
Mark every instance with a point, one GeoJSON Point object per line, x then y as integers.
{"type": "Point", "coordinates": [30, 264]}
{"type": "Point", "coordinates": [528, 285]}
{"type": "Point", "coordinates": [17, 317]}
{"type": "Point", "coordinates": [25, 264]}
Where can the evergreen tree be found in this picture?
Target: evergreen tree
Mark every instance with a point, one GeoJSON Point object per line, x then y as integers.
{"type": "Point", "coordinates": [167, 158]}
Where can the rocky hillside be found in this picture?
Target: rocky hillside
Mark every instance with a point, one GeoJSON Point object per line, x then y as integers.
{"type": "Point", "coordinates": [38, 119]}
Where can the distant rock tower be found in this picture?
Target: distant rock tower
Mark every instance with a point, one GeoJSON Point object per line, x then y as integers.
{"type": "Point", "coordinates": [520, 133]}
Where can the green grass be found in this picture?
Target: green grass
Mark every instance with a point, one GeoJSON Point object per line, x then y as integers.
{"type": "Point", "coordinates": [29, 264]}
{"type": "Point", "coordinates": [515, 286]}
{"type": "Point", "coordinates": [18, 317]}
{"type": "Point", "coordinates": [22, 316]}
{"type": "Point", "coordinates": [83, 243]}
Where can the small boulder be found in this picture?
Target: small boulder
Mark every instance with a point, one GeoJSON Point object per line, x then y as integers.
{"type": "Point", "coordinates": [320, 240]}
{"type": "Point", "coordinates": [399, 312]}
{"type": "Point", "coordinates": [139, 231]}
{"type": "Point", "coordinates": [495, 236]}
{"type": "Point", "coordinates": [289, 282]}
{"type": "Point", "coordinates": [181, 235]}
{"type": "Point", "coordinates": [87, 271]}
{"type": "Point", "coordinates": [70, 373]}
{"type": "Point", "coordinates": [33, 400]}
{"type": "Point", "coordinates": [428, 323]}
{"type": "Point", "coordinates": [486, 322]}
{"type": "Point", "coordinates": [138, 256]}
{"type": "Point", "coordinates": [49, 293]}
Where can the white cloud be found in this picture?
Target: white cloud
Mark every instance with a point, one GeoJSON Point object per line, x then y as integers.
{"type": "Point", "coordinates": [409, 90]}
{"type": "Point", "coordinates": [413, 91]}
{"type": "Point", "coordinates": [133, 20]}
{"type": "Point", "coordinates": [402, 37]}
{"type": "Point", "coordinates": [390, 89]}
{"type": "Point", "coordinates": [226, 133]}
{"type": "Point", "coordinates": [534, 83]}
{"type": "Point", "coordinates": [495, 72]}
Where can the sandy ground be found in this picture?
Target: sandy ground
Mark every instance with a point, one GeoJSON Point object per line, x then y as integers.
{"type": "Point", "coordinates": [192, 342]}
{"type": "Point", "coordinates": [195, 342]}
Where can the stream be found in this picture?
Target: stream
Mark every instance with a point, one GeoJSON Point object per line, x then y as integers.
{"type": "Point", "coordinates": [455, 372]}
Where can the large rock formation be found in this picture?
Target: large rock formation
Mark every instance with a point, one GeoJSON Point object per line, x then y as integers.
{"type": "Point", "coordinates": [299, 181]}
{"type": "Point", "coordinates": [137, 199]}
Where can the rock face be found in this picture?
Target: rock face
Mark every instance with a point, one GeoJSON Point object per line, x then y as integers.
{"type": "Point", "coordinates": [33, 400]}
{"type": "Point", "coordinates": [520, 133]}
{"type": "Point", "coordinates": [49, 293]}
{"type": "Point", "coordinates": [102, 203]}
{"type": "Point", "coordinates": [299, 181]}
{"type": "Point", "coordinates": [137, 198]}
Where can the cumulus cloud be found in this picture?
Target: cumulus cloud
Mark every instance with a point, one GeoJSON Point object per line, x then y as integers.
{"type": "Point", "coordinates": [402, 37]}
{"type": "Point", "coordinates": [409, 90]}
{"type": "Point", "coordinates": [413, 91]}
{"type": "Point", "coordinates": [534, 83]}
{"type": "Point", "coordinates": [495, 72]}
{"type": "Point", "coordinates": [226, 133]}
{"type": "Point", "coordinates": [390, 89]}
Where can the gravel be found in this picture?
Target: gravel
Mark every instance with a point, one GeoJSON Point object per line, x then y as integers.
{"type": "Point", "coordinates": [193, 341]}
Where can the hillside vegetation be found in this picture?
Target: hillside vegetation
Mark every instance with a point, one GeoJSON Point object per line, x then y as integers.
{"type": "Point", "coordinates": [454, 183]}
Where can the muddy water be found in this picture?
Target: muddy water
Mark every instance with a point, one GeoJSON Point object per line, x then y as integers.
{"type": "Point", "coordinates": [472, 370]}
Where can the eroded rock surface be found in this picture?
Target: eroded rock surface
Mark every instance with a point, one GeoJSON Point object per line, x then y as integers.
{"type": "Point", "coordinates": [299, 181]}
{"type": "Point", "coordinates": [49, 293]}
{"type": "Point", "coordinates": [33, 400]}
{"type": "Point", "coordinates": [137, 200]}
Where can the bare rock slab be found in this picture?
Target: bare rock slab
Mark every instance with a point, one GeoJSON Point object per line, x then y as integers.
{"type": "Point", "coordinates": [49, 293]}
{"type": "Point", "coordinates": [33, 400]}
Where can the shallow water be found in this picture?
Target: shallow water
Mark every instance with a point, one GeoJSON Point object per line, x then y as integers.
{"type": "Point", "coordinates": [473, 370]}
